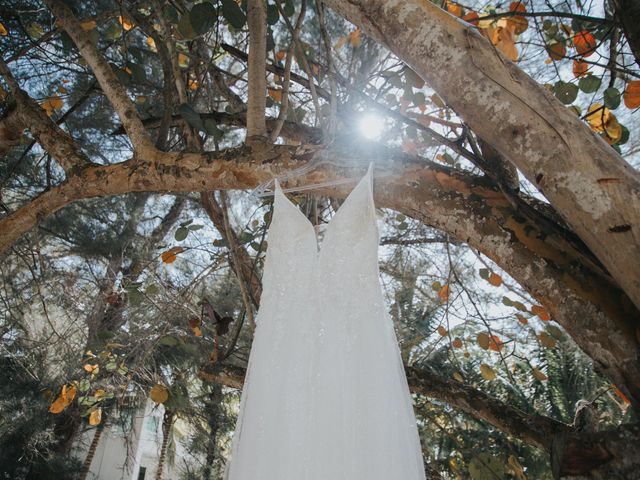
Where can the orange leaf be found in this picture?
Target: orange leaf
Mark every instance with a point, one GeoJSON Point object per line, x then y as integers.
{"type": "Point", "coordinates": [275, 94]}
{"type": "Point", "coordinates": [454, 9]}
{"type": "Point", "coordinates": [585, 43]}
{"type": "Point", "coordinates": [495, 279]}
{"type": "Point", "coordinates": [64, 399]}
{"type": "Point", "coordinates": [621, 395]}
{"type": "Point", "coordinates": [152, 44]}
{"type": "Point", "coordinates": [442, 331]}
{"type": "Point", "coordinates": [457, 343]}
{"type": "Point", "coordinates": [521, 319]}
{"type": "Point", "coordinates": [517, 7]}
{"type": "Point", "coordinates": [170, 255]}
{"type": "Point", "coordinates": [539, 374]}
{"type": "Point", "coordinates": [280, 55]}
{"type": "Point", "coordinates": [504, 39]}
{"type": "Point", "coordinates": [540, 312]}
{"type": "Point", "coordinates": [472, 17]}
{"type": "Point", "coordinates": [632, 94]}
{"type": "Point", "coordinates": [126, 24]}
{"type": "Point", "coordinates": [88, 25]}
{"type": "Point", "coordinates": [195, 323]}
{"type": "Point", "coordinates": [90, 368]}
{"type": "Point", "coordinates": [355, 38]}
{"type": "Point", "coordinates": [51, 104]}
{"type": "Point", "coordinates": [444, 292]}
{"type": "Point", "coordinates": [3, 30]}
{"type": "Point", "coordinates": [192, 84]}
{"type": "Point", "coordinates": [557, 51]}
{"type": "Point", "coordinates": [580, 68]}
{"type": "Point", "coordinates": [495, 343]}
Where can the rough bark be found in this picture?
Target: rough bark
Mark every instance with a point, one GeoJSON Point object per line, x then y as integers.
{"type": "Point", "coordinates": [167, 423]}
{"type": "Point", "coordinates": [627, 13]}
{"type": "Point", "coordinates": [588, 183]}
{"type": "Point", "coordinates": [257, 99]}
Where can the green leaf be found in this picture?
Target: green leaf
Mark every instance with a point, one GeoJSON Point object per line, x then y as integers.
{"type": "Point", "coordinates": [272, 14]}
{"type": "Point", "coordinates": [484, 274]}
{"type": "Point", "coordinates": [486, 467]}
{"type": "Point", "coordinates": [191, 116]}
{"type": "Point", "coordinates": [169, 341]}
{"type": "Point", "coordinates": [565, 92]}
{"type": "Point", "coordinates": [185, 28]}
{"type": "Point", "coordinates": [611, 98]}
{"type": "Point", "coordinates": [181, 234]}
{"type": "Point", "coordinates": [35, 30]}
{"type": "Point", "coordinates": [233, 14]}
{"type": "Point", "coordinates": [111, 366]}
{"type": "Point", "coordinates": [137, 72]}
{"type": "Point", "coordinates": [84, 385]}
{"type": "Point", "coordinates": [589, 84]}
{"type": "Point", "coordinates": [113, 32]}
{"type": "Point", "coordinates": [194, 228]}
{"type": "Point", "coordinates": [288, 8]}
{"type": "Point", "coordinates": [87, 401]}
{"type": "Point", "coordinates": [271, 43]}
{"type": "Point", "coordinates": [211, 128]}
{"type": "Point", "coordinates": [203, 17]}
{"type": "Point", "coordinates": [171, 13]}
{"type": "Point", "coordinates": [625, 136]}
{"type": "Point", "coordinates": [135, 297]}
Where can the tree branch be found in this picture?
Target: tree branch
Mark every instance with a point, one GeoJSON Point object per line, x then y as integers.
{"type": "Point", "coordinates": [111, 86]}
{"type": "Point", "coordinates": [257, 98]}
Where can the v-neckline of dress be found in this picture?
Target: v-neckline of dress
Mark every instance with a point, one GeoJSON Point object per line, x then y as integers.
{"type": "Point", "coordinates": [309, 226]}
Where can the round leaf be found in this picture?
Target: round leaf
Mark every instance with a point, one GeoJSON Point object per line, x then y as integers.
{"type": "Point", "coordinates": [159, 393]}
{"type": "Point", "coordinates": [612, 98]}
{"type": "Point", "coordinates": [202, 17]}
{"type": "Point", "coordinates": [589, 83]}
{"type": "Point", "coordinates": [565, 92]}
{"type": "Point", "coordinates": [487, 372]}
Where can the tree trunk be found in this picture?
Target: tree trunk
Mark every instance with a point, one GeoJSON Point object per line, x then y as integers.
{"type": "Point", "coordinates": [589, 184]}
{"type": "Point", "coordinates": [91, 452]}
{"type": "Point", "coordinates": [213, 410]}
{"type": "Point", "coordinates": [167, 423]}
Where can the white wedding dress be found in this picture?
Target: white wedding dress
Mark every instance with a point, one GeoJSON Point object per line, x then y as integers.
{"type": "Point", "coordinates": [325, 396]}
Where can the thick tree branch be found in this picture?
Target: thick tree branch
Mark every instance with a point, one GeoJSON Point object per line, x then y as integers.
{"type": "Point", "coordinates": [111, 86]}
{"type": "Point", "coordinates": [530, 428]}
{"type": "Point", "coordinates": [588, 183]}
{"type": "Point", "coordinates": [52, 138]}
{"type": "Point", "coordinates": [598, 316]}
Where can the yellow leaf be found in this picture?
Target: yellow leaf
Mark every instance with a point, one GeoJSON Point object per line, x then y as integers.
{"type": "Point", "coordinates": [159, 393]}
{"type": "Point", "coordinates": [612, 130]}
{"type": "Point", "coordinates": [442, 331]}
{"type": "Point", "coordinates": [99, 393]}
{"type": "Point", "coordinates": [126, 24]}
{"type": "Point", "coordinates": [505, 40]}
{"type": "Point", "coordinates": [355, 38]}
{"type": "Point", "coordinates": [539, 374]}
{"type": "Point", "coordinates": [170, 255]}
{"type": "Point", "coordinates": [88, 25]}
{"type": "Point", "coordinates": [192, 84]}
{"type": "Point", "coordinates": [95, 417]}
{"type": "Point", "coordinates": [632, 94]}
{"type": "Point", "coordinates": [3, 30]}
{"type": "Point", "coordinates": [487, 372]}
